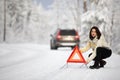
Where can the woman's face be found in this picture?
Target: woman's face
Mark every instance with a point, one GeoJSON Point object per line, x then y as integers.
{"type": "Point", "coordinates": [93, 33]}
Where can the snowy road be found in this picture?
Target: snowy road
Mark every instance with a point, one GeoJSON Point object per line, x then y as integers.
{"type": "Point", "coordinates": [38, 62]}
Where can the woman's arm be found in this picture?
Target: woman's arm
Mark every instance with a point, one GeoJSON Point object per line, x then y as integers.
{"type": "Point", "coordinates": [86, 48]}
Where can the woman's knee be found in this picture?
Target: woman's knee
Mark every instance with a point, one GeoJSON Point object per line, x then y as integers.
{"type": "Point", "coordinates": [99, 49]}
{"type": "Point", "coordinates": [103, 52]}
{"type": "Point", "coordinates": [110, 52]}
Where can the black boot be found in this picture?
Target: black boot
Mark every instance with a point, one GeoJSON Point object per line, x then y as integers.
{"type": "Point", "coordinates": [102, 63]}
{"type": "Point", "coordinates": [95, 66]}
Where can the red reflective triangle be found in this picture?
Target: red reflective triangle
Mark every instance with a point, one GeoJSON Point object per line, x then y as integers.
{"type": "Point", "coordinates": [76, 56]}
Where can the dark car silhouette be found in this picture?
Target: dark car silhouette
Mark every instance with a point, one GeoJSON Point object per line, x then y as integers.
{"type": "Point", "coordinates": [64, 38]}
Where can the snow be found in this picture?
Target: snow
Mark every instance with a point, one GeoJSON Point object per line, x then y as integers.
{"type": "Point", "coordinates": [38, 62]}
{"type": "Point", "coordinates": [28, 23]}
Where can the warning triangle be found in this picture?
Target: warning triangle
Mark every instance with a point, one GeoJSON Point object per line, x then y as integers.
{"type": "Point", "coordinates": [76, 56]}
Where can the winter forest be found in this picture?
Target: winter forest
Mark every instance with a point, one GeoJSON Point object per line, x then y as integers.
{"type": "Point", "coordinates": [27, 21]}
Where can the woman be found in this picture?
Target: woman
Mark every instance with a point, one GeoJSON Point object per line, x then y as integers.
{"type": "Point", "coordinates": [99, 46]}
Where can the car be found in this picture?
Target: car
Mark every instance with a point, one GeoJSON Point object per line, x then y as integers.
{"type": "Point", "coordinates": [64, 38]}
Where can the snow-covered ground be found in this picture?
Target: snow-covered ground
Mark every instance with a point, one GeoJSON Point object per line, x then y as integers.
{"type": "Point", "coordinates": [38, 62]}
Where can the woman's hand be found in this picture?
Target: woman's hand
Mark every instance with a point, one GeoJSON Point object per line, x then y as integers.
{"type": "Point", "coordinates": [87, 61]}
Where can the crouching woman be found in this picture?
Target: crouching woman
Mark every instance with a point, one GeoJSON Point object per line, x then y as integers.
{"type": "Point", "coordinates": [99, 46]}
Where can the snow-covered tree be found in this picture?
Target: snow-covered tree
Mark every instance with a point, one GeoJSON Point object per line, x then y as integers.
{"type": "Point", "coordinates": [1, 19]}
{"type": "Point", "coordinates": [37, 27]}
{"type": "Point", "coordinates": [116, 26]}
{"type": "Point", "coordinates": [68, 13]}
{"type": "Point", "coordinates": [99, 15]}
{"type": "Point", "coordinates": [26, 21]}
{"type": "Point", "coordinates": [16, 12]}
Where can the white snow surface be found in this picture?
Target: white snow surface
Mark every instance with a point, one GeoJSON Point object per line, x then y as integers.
{"type": "Point", "coordinates": [38, 62]}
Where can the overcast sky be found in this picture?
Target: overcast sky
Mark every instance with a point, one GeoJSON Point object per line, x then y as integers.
{"type": "Point", "coordinates": [45, 3]}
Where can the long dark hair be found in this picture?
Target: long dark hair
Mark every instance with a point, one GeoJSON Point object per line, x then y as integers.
{"type": "Point", "coordinates": [97, 31]}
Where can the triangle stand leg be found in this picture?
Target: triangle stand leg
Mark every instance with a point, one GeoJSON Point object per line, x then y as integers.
{"type": "Point", "coordinates": [64, 66]}
{"type": "Point", "coordinates": [83, 65]}
{"type": "Point", "coordinates": [86, 65]}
